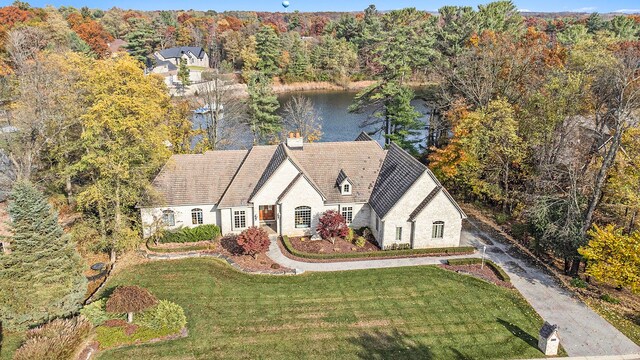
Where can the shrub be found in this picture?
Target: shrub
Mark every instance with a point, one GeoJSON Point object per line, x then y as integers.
{"type": "Point", "coordinates": [253, 241]}
{"type": "Point", "coordinates": [610, 299]}
{"type": "Point", "coordinates": [332, 225]}
{"type": "Point", "coordinates": [578, 283]}
{"type": "Point", "coordinates": [501, 218]}
{"type": "Point", "coordinates": [130, 299]}
{"type": "Point", "coordinates": [96, 312]}
{"type": "Point", "coordinates": [59, 339]}
{"type": "Point", "coordinates": [187, 235]}
{"type": "Point", "coordinates": [164, 316]}
{"type": "Point", "coordinates": [360, 241]}
{"type": "Point", "coordinates": [350, 235]}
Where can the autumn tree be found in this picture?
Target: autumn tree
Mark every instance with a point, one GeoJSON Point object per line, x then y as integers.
{"type": "Point", "coordinates": [123, 142]}
{"type": "Point", "coordinates": [613, 257]}
{"type": "Point", "coordinates": [253, 241]}
{"type": "Point", "coordinates": [130, 300]}
{"type": "Point", "coordinates": [91, 32]}
{"type": "Point", "coordinates": [301, 116]}
{"type": "Point", "coordinates": [226, 110]}
{"type": "Point", "coordinates": [332, 225]}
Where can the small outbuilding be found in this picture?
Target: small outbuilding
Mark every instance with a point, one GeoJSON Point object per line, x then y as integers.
{"type": "Point", "coordinates": [549, 341]}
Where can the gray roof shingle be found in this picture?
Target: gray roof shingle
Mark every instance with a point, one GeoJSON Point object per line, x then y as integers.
{"type": "Point", "coordinates": [176, 52]}
{"type": "Point", "coordinates": [399, 171]}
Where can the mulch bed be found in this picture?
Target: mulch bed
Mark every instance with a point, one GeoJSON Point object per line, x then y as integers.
{"type": "Point", "coordinates": [227, 246]}
{"type": "Point", "coordinates": [475, 270]}
{"type": "Point", "coordinates": [304, 244]}
{"type": "Point", "coordinates": [182, 245]}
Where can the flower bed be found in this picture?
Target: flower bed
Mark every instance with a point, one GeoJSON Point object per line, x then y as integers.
{"type": "Point", "coordinates": [486, 273]}
{"type": "Point", "coordinates": [473, 261]}
{"type": "Point", "coordinates": [303, 244]}
{"type": "Point", "coordinates": [378, 254]}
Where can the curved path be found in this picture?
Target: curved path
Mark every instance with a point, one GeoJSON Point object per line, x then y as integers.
{"type": "Point", "coordinates": [582, 331]}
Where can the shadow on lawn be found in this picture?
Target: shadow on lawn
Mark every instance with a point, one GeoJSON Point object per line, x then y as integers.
{"type": "Point", "coordinates": [394, 345]}
{"type": "Point", "coordinates": [517, 331]}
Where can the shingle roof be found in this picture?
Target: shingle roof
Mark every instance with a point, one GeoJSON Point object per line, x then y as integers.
{"type": "Point", "coordinates": [187, 180]}
{"type": "Point", "coordinates": [176, 52]}
{"type": "Point", "coordinates": [364, 137]}
{"type": "Point", "coordinates": [248, 175]}
{"type": "Point", "coordinates": [424, 203]}
{"type": "Point", "coordinates": [399, 171]}
{"type": "Point", "coordinates": [322, 162]}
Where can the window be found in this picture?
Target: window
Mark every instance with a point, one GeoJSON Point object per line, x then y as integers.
{"type": "Point", "coordinates": [377, 224]}
{"type": "Point", "coordinates": [398, 233]}
{"type": "Point", "coordinates": [346, 189]}
{"type": "Point", "coordinates": [169, 218]}
{"type": "Point", "coordinates": [303, 217]}
{"type": "Point", "coordinates": [196, 216]}
{"type": "Point", "coordinates": [438, 230]}
{"type": "Point", "coordinates": [347, 214]}
{"type": "Point", "coordinates": [239, 219]}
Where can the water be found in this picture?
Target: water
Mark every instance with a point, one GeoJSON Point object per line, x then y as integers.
{"type": "Point", "coordinates": [338, 124]}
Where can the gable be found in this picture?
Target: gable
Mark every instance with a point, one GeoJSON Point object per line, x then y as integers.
{"type": "Point", "coordinates": [437, 202]}
{"type": "Point", "coordinates": [276, 184]}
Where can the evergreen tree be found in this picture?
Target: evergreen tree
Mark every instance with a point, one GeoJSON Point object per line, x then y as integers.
{"type": "Point", "coordinates": [183, 73]}
{"type": "Point", "coordinates": [264, 122]}
{"type": "Point", "coordinates": [268, 50]}
{"type": "Point", "coordinates": [299, 66]}
{"type": "Point", "coordinates": [141, 39]}
{"type": "Point", "coordinates": [404, 119]}
{"type": "Point", "coordinates": [42, 278]}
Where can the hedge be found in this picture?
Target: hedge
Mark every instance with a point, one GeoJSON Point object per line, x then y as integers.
{"type": "Point", "coordinates": [377, 254]}
{"type": "Point", "coordinates": [185, 248]}
{"type": "Point", "coordinates": [190, 235]}
{"type": "Point", "coordinates": [471, 261]}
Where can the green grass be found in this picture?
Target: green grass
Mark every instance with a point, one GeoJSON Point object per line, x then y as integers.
{"type": "Point", "coordinates": [413, 312]}
{"type": "Point", "coordinates": [9, 344]}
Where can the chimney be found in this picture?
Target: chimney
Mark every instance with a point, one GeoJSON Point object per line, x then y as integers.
{"type": "Point", "coordinates": [295, 141]}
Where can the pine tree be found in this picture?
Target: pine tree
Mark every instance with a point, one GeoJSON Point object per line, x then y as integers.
{"type": "Point", "coordinates": [268, 50]}
{"type": "Point", "coordinates": [183, 73]}
{"type": "Point", "coordinates": [263, 103]}
{"type": "Point", "coordinates": [300, 66]}
{"type": "Point", "coordinates": [42, 278]}
{"type": "Point", "coordinates": [403, 118]}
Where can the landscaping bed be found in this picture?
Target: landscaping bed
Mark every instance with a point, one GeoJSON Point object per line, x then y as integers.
{"type": "Point", "coordinates": [490, 272]}
{"type": "Point", "coordinates": [228, 246]}
{"type": "Point", "coordinates": [305, 245]}
{"type": "Point", "coordinates": [420, 312]}
{"type": "Point", "coordinates": [290, 251]}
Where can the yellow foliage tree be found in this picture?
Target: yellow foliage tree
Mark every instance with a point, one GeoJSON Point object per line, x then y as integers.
{"type": "Point", "coordinates": [613, 257]}
{"type": "Point", "coordinates": [125, 142]}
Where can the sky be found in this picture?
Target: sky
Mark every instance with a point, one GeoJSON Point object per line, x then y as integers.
{"type": "Point", "coordinates": [601, 6]}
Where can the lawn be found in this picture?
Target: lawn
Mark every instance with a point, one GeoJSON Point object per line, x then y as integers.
{"type": "Point", "coordinates": [415, 312]}
{"type": "Point", "coordinates": [9, 343]}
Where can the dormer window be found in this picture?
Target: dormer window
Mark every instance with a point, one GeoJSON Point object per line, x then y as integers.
{"type": "Point", "coordinates": [346, 189]}
{"type": "Point", "coordinates": [343, 183]}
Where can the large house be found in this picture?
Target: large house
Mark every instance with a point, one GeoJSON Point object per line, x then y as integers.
{"type": "Point", "coordinates": [286, 188]}
{"type": "Point", "coordinates": [168, 61]}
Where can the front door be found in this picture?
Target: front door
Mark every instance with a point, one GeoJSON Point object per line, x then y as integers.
{"type": "Point", "coordinates": [267, 213]}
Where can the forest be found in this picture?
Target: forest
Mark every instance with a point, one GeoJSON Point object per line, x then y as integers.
{"type": "Point", "coordinates": [535, 118]}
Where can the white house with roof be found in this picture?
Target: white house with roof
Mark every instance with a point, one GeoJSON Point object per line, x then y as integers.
{"type": "Point", "coordinates": [168, 62]}
{"type": "Point", "coordinates": [286, 188]}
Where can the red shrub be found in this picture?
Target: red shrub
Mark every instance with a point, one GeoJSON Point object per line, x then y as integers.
{"type": "Point", "coordinates": [332, 225]}
{"type": "Point", "coordinates": [253, 241]}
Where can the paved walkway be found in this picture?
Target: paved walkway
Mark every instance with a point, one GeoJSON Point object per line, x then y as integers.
{"type": "Point", "coordinates": [582, 331]}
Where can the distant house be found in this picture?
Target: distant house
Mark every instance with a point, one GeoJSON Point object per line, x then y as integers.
{"type": "Point", "coordinates": [286, 188]}
{"type": "Point", "coordinates": [168, 61]}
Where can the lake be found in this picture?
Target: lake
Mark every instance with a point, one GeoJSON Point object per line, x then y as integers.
{"type": "Point", "coordinates": [337, 123]}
